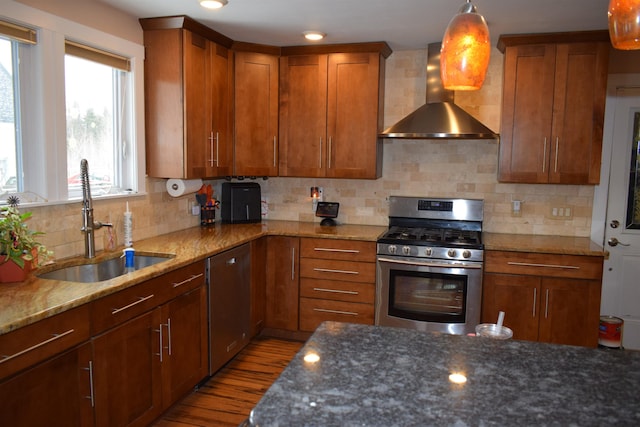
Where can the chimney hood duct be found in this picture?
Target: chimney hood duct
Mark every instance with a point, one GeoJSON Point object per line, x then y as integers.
{"type": "Point", "coordinates": [439, 118]}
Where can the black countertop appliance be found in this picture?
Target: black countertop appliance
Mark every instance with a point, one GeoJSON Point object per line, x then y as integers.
{"type": "Point", "coordinates": [241, 202]}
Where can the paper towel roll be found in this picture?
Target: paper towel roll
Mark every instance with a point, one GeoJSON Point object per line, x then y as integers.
{"type": "Point", "coordinates": [180, 187]}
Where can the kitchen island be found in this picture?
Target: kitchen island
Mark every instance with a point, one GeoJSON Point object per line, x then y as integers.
{"type": "Point", "coordinates": [380, 376]}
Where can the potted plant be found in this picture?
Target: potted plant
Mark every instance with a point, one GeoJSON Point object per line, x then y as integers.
{"type": "Point", "coordinates": [20, 252]}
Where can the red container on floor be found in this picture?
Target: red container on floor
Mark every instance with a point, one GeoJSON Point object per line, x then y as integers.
{"type": "Point", "coordinates": [610, 332]}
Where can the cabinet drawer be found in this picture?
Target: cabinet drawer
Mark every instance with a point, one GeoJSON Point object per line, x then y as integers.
{"type": "Point", "coordinates": [41, 340]}
{"type": "Point", "coordinates": [347, 271]}
{"type": "Point", "coordinates": [338, 290]}
{"type": "Point", "coordinates": [550, 265]}
{"type": "Point", "coordinates": [347, 250]}
{"type": "Point", "coordinates": [183, 279]}
{"type": "Point", "coordinates": [315, 311]}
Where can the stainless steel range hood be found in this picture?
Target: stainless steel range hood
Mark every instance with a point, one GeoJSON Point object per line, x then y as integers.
{"type": "Point", "coordinates": [439, 118]}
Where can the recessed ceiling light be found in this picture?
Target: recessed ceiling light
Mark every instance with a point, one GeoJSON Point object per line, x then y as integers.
{"type": "Point", "coordinates": [314, 35]}
{"type": "Point", "coordinates": [213, 4]}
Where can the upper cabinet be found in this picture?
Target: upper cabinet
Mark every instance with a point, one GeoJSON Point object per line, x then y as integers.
{"type": "Point", "coordinates": [553, 107]}
{"type": "Point", "coordinates": [188, 91]}
{"type": "Point", "coordinates": [331, 104]}
{"type": "Point", "coordinates": [256, 113]}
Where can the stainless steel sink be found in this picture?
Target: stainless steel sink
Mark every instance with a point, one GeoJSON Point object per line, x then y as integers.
{"type": "Point", "coordinates": [103, 270]}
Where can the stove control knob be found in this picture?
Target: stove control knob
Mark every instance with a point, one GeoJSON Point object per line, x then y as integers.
{"type": "Point", "coordinates": [391, 249]}
{"type": "Point", "coordinates": [406, 250]}
{"type": "Point", "coordinates": [428, 251]}
{"type": "Point", "coordinates": [452, 253]}
{"type": "Point", "coordinates": [466, 254]}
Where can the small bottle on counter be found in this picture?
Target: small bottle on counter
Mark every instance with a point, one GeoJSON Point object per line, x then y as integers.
{"type": "Point", "coordinates": [128, 228]}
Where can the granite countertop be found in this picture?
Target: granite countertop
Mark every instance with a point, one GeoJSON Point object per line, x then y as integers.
{"type": "Point", "coordinates": [564, 245]}
{"type": "Point", "coordinates": [36, 299]}
{"type": "Point", "coordinates": [381, 376]}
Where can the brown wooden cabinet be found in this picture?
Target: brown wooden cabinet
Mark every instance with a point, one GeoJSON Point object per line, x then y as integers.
{"type": "Point", "coordinates": [553, 107]}
{"type": "Point", "coordinates": [256, 114]}
{"type": "Point", "coordinates": [188, 84]}
{"type": "Point", "coordinates": [152, 347]}
{"type": "Point", "coordinates": [545, 297]}
{"type": "Point", "coordinates": [282, 283]}
{"type": "Point", "coordinates": [337, 281]}
{"type": "Point", "coordinates": [45, 372]}
{"type": "Point", "coordinates": [331, 112]}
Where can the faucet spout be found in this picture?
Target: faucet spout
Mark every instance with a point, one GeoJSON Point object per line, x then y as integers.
{"type": "Point", "coordinates": [88, 224]}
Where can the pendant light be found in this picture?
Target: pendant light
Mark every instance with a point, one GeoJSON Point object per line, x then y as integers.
{"type": "Point", "coordinates": [466, 47]}
{"type": "Point", "coordinates": [624, 24]}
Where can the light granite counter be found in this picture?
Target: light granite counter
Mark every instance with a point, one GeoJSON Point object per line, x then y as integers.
{"type": "Point", "coordinates": [380, 376]}
{"type": "Point", "coordinates": [564, 245]}
{"type": "Point", "coordinates": [35, 299]}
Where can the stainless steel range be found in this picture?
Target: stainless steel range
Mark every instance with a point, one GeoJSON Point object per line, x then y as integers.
{"type": "Point", "coordinates": [429, 265]}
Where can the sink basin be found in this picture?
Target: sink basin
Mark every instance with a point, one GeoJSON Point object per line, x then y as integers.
{"type": "Point", "coordinates": [103, 270]}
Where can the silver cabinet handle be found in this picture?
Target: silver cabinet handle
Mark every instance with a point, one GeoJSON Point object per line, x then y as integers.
{"type": "Point", "coordinates": [544, 154]}
{"type": "Point", "coordinates": [36, 346]}
{"type": "Point", "coordinates": [231, 261]}
{"type": "Point", "coordinates": [529, 264]}
{"type": "Point", "coordinates": [159, 331]}
{"type": "Point", "coordinates": [217, 149]}
{"type": "Point", "coordinates": [275, 151]}
{"type": "Point", "coordinates": [320, 154]}
{"type": "Point", "coordinates": [211, 159]}
{"type": "Point", "coordinates": [91, 395]}
{"type": "Point", "coordinates": [293, 263]}
{"type": "Point", "coordinates": [140, 300]}
{"type": "Point", "coordinates": [555, 166]}
{"type": "Point", "coordinates": [324, 310]}
{"type": "Point", "coordinates": [535, 297]}
{"type": "Point", "coordinates": [190, 279]}
{"type": "Point", "coordinates": [350, 251]}
{"type": "Point", "coordinates": [546, 304]}
{"type": "Point", "coordinates": [328, 270]}
{"type": "Point", "coordinates": [335, 291]}
{"type": "Point", "coordinates": [168, 325]}
{"type": "Point", "coordinates": [329, 153]}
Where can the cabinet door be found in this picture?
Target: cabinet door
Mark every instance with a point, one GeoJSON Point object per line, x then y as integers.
{"type": "Point", "coordinates": [569, 311]}
{"type": "Point", "coordinates": [197, 105]}
{"type": "Point", "coordinates": [56, 392]}
{"type": "Point", "coordinates": [220, 154]}
{"type": "Point", "coordinates": [519, 298]}
{"type": "Point", "coordinates": [185, 344]}
{"type": "Point", "coordinates": [579, 101]}
{"type": "Point", "coordinates": [527, 107]}
{"type": "Point", "coordinates": [354, 91]}
{"type": "Point", "coordinates": [127, 380]}
{"type": "Point", "coordinates": [282, 282]}
{"type": "Point", "coordinates": [230, 309]}
{"type": "Point", "coordinates": [303, 115]}
{"type": "Point", "coordinates": [256, 114]}
{"type": "Point", "coordinates": [258, 284]}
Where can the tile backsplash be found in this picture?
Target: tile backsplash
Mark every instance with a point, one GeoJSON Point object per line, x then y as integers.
{"type": "Point", "coordinates": [424, 168]}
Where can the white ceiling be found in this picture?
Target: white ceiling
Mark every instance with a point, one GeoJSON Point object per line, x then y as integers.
{"type": "Point", "coordinates": [404, 24]}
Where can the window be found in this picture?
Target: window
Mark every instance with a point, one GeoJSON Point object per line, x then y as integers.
{"type": "Point", "coordinates": [74, 93]}
{"type": "Point", "coordinates": [97, 101]}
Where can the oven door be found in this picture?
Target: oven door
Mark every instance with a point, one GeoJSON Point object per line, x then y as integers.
{"type": "Point", "coordinates": [430, 295]}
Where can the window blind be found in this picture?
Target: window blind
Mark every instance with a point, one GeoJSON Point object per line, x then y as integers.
{"type": "Point", "coordinates": [97, 55]}
{"type": "Point", "coordinates": [18, 32]}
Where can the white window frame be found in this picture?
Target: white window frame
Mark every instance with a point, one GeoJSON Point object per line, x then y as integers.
{"type": "Point", "coordinates": [44, 137]}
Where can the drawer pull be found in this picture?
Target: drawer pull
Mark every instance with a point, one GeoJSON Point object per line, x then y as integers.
{"type": "Point", "coordinates": [328, 270]}
{"type": "Point", "coordinates": [140, 299]}
{"type": "Point", "coordinates": [33, 347]}
{"type": "Point", "coordinates": [529, 264]}
{"type": "Point", "coordinates": [335, 291]}
{"type": "Point", "coordinates": [324, 310]}
{"type": "Point", "coordinates": [348, 251]}
{"type": "Point", "coordinates": [190, 279]}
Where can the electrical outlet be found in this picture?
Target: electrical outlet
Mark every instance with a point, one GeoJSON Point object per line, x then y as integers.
{"type": "Point", "coordinates": [563, 213]}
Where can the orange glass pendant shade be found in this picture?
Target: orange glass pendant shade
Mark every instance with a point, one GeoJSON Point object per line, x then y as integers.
{"type": "Point", "coordinates": [466, 47]}
{"type": "Point", "coordinates": [624, 24]}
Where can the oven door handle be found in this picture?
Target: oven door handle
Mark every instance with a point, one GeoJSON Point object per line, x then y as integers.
{"type": "Point", "coordinates": [431, 263]}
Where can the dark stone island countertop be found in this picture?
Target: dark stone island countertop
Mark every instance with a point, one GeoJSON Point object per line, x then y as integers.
{"type": "Point", "coordinates": [380, 376]}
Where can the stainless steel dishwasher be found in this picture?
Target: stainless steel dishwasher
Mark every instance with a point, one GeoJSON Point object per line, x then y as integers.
{"type": "Point", "coordinates": [229, 279]}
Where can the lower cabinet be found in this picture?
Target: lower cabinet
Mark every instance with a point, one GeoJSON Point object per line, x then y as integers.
{"type": "Point", "coordinates": [282, 292]}
{"type": "Point", "coordinates": [545, 297]}
{"type": "Point", "coordinates": [337, 281]}
{"type": "Point", "coordinates": [56, 392]}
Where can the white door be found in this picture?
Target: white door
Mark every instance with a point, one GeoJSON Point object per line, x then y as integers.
{"type": "Point", "coordinates": [621, 278]}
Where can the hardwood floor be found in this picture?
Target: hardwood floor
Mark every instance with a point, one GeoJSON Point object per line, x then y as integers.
{"type": "Point", "coordinates": [228, 397]}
